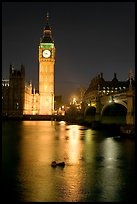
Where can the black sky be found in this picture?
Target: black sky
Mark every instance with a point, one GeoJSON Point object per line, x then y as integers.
{"type": "Point", "coordinates": [90, 38]}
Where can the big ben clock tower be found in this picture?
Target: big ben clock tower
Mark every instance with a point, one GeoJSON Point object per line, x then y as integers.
{"type": "Point", "coordinates": [46, 71]}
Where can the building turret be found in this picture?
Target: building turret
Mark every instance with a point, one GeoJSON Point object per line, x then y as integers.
{"type": "Point", "coordinates": [23, 70]}
{"type": "Point", "coordinates": [115, 75]}
{"type": "Point", "coordinates": [130, 77]}
{"type": "Point", "coordinates": [11, 69]}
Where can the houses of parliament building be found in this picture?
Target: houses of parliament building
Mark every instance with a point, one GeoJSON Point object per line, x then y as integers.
{"type": "Point", "coordinates": [19, 97]}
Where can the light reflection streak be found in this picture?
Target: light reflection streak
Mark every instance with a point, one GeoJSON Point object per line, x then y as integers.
{"type": "Point", "coordinates": [88, 134]}
{"type": "Point", "coordinates": [89, 150]}
{"type": "Point", "coordinates": [73, 174]}
{"type": "Point", "coordinates": [74, 145]}
{"type": "Point", "coordinates": [109, 148]}
{"type": "Point", "coordinates": [110, 175]}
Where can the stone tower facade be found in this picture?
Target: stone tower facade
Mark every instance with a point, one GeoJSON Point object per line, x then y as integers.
{"type": "Point", "coordinates": [46, 72]}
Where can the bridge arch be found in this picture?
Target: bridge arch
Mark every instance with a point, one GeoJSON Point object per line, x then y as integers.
{"type": "Point", "coordinates": [114, 113]}
{"type": "Point", "coordinates": [90, 111]}
{"type": "Point", "coordinates": [116, 102]}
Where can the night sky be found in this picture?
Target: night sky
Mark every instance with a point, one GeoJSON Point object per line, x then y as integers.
{"type": "Point", "coordinates": [90, 38]}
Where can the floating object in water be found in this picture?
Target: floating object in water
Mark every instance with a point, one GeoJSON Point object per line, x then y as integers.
{"type": "Point", "coordinates": [61, 164]}
{"type": "Point", "coordinates": [54, 164]}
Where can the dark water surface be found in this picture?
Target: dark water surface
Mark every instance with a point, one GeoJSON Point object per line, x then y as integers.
{"type": "Point", "coordinates": [98, 168]}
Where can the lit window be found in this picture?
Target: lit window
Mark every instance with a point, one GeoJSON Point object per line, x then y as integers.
{"type": "Point", "coordinates": [119, 87]}
{"type": "Point", "coordinates": [103, 87]}
{"type": "Point", "coordinates": [116, 88]}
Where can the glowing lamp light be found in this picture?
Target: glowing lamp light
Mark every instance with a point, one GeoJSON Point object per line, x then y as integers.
{"type": "Point", "coordinates": [74, 100]}
{"type": "Point", "coordinates": [93, 104]}
{"type": "Point", "coordinates": [111, 99]}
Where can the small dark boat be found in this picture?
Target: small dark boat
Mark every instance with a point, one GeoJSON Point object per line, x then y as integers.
{"type": "Point", "coordinates": [54, 164]}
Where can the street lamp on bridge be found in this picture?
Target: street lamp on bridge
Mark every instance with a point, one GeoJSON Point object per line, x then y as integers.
{"type": "Point", "coordinates": [111, 100]}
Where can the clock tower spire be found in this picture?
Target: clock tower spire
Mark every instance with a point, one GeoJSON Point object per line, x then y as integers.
{"type": "Point", "coordinates": [47, 37]}
{"type": "Point", "coordinates": [46, 71]}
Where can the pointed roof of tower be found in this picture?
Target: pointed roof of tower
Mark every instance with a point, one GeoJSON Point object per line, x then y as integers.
{"type": "Point", "coordinates": [130, 73]}
{"type": "Point", "coordinates": [47, 37]}
{"type": "Point", "coordinates": [47, 22]}
{"type": "Point", "coordinates": [130, 79]}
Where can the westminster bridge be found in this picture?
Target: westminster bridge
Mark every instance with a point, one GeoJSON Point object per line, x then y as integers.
{"type": "Point", "coordinates": [109, 107]}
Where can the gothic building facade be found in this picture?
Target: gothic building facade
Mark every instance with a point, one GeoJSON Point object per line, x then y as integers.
{"type": "Point", "coordinates": [19, 97]}
{"type": "Point", "coordinates": [99, 85]}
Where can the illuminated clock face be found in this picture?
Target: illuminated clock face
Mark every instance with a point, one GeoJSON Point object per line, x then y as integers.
{"type": "Point", "coordinates": [46, 53]}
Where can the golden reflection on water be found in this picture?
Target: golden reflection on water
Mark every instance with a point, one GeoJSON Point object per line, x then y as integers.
{"type": "Point", "coordinates": [45, 141]}
{"type": "Point", "coordinates": [74, 145]}
{"type": "Point", "coordinates": [95, 168]}
{"type": "Point", "coordinates": [73, 177]}
{"type": "Point", "coordinates": [35, 137]}
{"type": "Point", "coordinates": [37, 152]}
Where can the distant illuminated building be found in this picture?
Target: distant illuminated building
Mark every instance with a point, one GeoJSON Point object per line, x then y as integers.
{"type": "Point", "coordinates": [99, 86]}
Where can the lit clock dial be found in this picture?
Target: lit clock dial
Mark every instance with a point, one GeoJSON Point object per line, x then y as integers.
{"type": "Point", "coordinates": [46, 53]}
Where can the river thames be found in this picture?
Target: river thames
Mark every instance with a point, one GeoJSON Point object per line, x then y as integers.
{"type": "Point", "coordinates": [98, 168]}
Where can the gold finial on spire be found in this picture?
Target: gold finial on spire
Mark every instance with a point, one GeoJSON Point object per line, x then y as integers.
{"type": "Point", "coordinates": [47, 17]}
